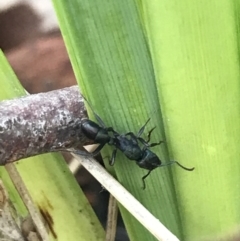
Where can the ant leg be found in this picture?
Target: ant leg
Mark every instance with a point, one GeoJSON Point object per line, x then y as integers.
{"type": "Point", "coordinates": [112, 160]}
{"type": "Point", "coordinates": [90, 154]}
{"type": "Point", "coordinates": [173, 162]}
{"type": "Point", "coordinates": [149, 134]}
{"type": "Point", "coordinates": [110, 129]}
{"type": "Point", "coordinates": [98, 118]}
{"type": "Point", "coordinates": [78, 152]}
{"type": "Point", "coordinates": [149, 138]}
{"type": "Point", "coordinates": [143, 179]}
{"type": "Point", "coordinates": [139, 132]}
{"type": "Point", "coordinates": [131, 134]}
{"type": "Point", "coordinates": [155, 144]}
{"type": "Point", "coordinates": [146, 144]}
{"type": "Point", "coordinates": [142, 128]}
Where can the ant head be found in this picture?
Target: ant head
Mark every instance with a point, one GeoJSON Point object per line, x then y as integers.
{"type": "Point", "coordinates": [149, 160]}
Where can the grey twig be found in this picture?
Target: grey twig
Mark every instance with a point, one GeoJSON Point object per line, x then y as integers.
{"type": "Point", "coordinates": [41, 123]}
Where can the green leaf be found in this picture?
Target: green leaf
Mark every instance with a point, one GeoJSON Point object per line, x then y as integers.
{"type": "Point", "coordinates": [111, 60]}
{"type": "Point", "coordinates": [176, 62]}
{"type": "Point", "coordinates": [194, 48]}
{"type": "Point", "coordinates": [52, 187]}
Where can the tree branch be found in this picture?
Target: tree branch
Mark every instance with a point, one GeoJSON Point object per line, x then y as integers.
{"type": "Point", "coordinates": [41, 123]}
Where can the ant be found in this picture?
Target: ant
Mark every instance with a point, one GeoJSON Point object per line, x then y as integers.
{"type": "Point", "coordinates": [127, 143]}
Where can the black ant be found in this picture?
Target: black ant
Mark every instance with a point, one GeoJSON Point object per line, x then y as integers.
{"type": "Point", "coordinates": [127, 143]}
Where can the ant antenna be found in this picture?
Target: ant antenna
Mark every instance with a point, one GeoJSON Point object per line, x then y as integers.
{"type": "Point", "coordinates": [185, 168]}
{"type": "Point", "coordinates": [99, 120]}
{"type": "Point", "coordinates": [143, 179]}
{"type": "Point", "coordinates": [173, 162]}
{"type": "Point", "coordinates": [142, 128]}
{"type": "Point", "coordinates": [165, 164]}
